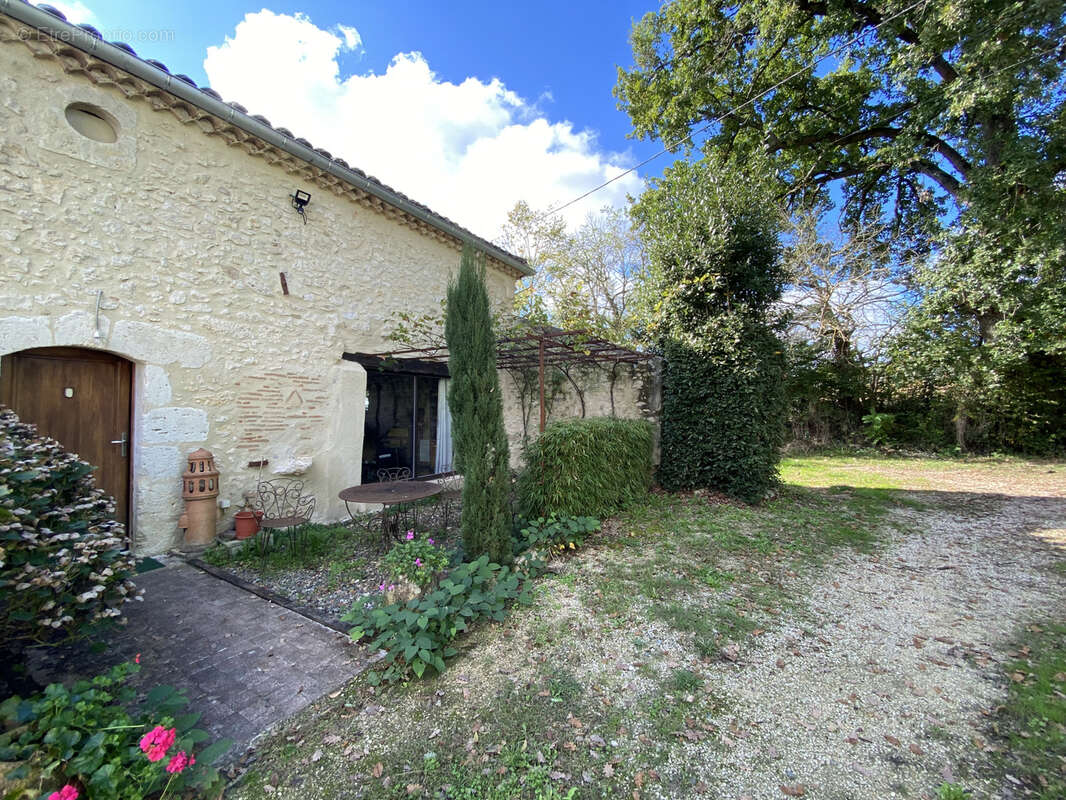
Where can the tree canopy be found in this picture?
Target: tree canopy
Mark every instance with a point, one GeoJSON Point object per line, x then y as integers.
{"type": "Point", "coordinates": [920, 107]}
{"type": "Point", "coordinates": [942, 125]}
{"type": "Point", "coordinates": [842, 298]}
{"type": "Point", "coordinates": [586, 278]}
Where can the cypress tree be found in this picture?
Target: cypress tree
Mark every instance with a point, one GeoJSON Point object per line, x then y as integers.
{"type": "Point", "coordinates": [480, 441]}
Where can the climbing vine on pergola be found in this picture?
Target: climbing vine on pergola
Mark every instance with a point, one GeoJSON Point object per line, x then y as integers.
{"type": "Point", "coordinates": [544, 347]}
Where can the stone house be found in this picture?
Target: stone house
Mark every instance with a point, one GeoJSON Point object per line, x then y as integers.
{"type": "Point", "coordinates": [180, 274]}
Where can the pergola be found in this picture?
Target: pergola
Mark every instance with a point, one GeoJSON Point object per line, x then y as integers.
{"type": "Point", "coordinates": [543, 348]}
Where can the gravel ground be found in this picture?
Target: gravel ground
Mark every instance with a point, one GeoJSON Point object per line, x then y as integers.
{"type": "Point", "coordinates": [316, 587]}
{"type": "Point", "coordinates": [875, 677]}
{"type": "Point", "coordinates": [886, 687]}
{"type": "Point", "coordinates": [334, 584]}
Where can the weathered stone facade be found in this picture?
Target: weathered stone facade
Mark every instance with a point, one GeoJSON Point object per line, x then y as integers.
{"type": "Point", "coordinates": [166, 247]}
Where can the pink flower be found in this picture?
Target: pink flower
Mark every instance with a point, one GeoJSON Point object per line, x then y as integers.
{"type": "Point", "coordinates": [392, 586]}
{"type": "Point", "coordinates": [410, 535]}
{"type": "Point", "coordinates": [137, 659]}
{"type": "Point", "coordinates": [432, 542]}
{"type": "Point", "coordinates": [180, 762]}
{"type": "Point", "coordinates": [68, 792]}
{"type": "Point", "coordinates": [157, 741]}
{"type": "Point", "coordinates": [418, 562]}
{"type": "Point", "coordinates": [381, 587]}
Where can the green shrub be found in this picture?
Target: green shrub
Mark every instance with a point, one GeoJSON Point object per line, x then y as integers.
{"type": "Point", "coordinates": [557, 534]}
{"type": "Point", "coordinates": [879, 426]}
{"type": "Point", "coordinates": [712, 233]}
{"type": "Point", "coordinates": [586, 466]}
{"type": "Point", "coordinates": [826, 392]}
{"type": "Point", "coordinates": [419, 634]}
{"type": "Point", "coordinates": [86, 738]}
{"type": "Point", "coordinates": [416, 559]}
{"type": "Point", "coordinates": [63, 561]}
{"type": "Point", "coordinates": [723, 411]}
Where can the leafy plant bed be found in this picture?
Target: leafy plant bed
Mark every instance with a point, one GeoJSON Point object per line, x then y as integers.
{"type": "Point", "coordinates": [96, 741]}
{"type": "Point", "coordinates": [336, 568]}
{"type": "Point", "coordinates": [827, 643]}
{"type": "Point", "coordinates": [420, 632]}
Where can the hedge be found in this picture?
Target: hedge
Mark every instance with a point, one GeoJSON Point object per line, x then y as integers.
{"type": "Point", "coordinates": [713, 235]}
{"type": "Point", "coordinates": [593, 466]}
{"type": "Point", "coordinates": [723, 411]}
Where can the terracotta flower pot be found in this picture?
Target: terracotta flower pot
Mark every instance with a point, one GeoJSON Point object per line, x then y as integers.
{"type": "Point", "coordinates": [246, 524]}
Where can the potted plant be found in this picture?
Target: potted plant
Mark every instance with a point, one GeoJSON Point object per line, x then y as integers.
{"type": "Point", "coordinates": [246, 522]}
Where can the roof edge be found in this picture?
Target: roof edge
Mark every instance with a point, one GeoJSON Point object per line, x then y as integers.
{"type": "Point", "coordinates": [75, 36]}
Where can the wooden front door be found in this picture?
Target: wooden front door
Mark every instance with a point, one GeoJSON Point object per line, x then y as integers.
{"type": "Point", "coordinates": [81, 398]}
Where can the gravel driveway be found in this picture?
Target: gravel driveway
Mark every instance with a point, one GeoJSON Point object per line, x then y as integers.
{"type": "Point", "coordinates": [884, 685]}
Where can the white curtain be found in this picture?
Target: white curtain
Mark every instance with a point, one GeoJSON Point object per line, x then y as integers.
{"type": "Point", "coordinates": [444, 429]}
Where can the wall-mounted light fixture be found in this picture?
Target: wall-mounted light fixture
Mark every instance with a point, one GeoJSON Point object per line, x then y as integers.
{"type": "Point", "coordinates": [299, 202]}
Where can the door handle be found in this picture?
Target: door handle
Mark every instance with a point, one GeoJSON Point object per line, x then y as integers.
{"type": "Point", "coordinates": [124, 441]}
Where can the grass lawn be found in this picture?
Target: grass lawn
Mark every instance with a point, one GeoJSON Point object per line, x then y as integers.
{"type": "Point", "coordinates": [1033, 720]}
{"type": "Point", "coordinates": [915, 473]}
{"type": "Point", "coordinates": [604, 687]}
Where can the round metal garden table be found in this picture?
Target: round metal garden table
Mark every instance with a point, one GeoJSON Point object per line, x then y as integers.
{"type": "Point", "coordinates": [392, 494]}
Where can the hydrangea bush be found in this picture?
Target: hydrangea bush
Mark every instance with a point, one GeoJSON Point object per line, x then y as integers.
{"type": "Point", "coordinates": [63, 561]}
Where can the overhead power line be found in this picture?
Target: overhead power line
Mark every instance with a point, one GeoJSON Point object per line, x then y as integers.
{"type": "Point", "coordinates": [688, 137]}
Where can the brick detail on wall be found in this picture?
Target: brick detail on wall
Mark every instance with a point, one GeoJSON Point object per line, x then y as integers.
{"type": "Point", "coordinates": [277, 402]}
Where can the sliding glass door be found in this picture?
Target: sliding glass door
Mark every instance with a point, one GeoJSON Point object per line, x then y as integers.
{"type": "Point", "coordinates": [402, 426]}
{"type": "Point", "coordinates": [425, 454]}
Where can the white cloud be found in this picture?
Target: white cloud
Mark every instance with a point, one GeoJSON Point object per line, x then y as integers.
{"type": "Point", "coordinates": [352, 39]}
{"type": "Point", "coordinates": [75, 11]}
{"type": "Point", "coordinates": [468, 150]}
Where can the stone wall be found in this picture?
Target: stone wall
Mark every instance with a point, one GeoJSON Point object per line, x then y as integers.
{"type": "Point", "coordinates": [626, 391]}
{"type": "Point", "coordinates": [185, 236]}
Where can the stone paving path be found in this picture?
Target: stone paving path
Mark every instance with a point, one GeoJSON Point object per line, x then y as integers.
{"type": "Point", "coordinates": [244, 662]}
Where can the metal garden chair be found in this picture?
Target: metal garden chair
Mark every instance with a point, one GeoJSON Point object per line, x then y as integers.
{"type": "Point", "coordinates": [403, 514]}
{"type": "Point", "coordinates": [451, 499]}
{"type": "Point", "coordinates": [284, 507]}
{"type": "Point", "coordinates": [389, 474]}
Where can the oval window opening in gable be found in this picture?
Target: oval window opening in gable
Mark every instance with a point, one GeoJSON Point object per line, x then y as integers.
{"type": "Point", "coordinates": [92, 122]}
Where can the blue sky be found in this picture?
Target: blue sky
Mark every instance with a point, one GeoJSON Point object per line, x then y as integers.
{"type": "Point", "coordinates": [466, 106]}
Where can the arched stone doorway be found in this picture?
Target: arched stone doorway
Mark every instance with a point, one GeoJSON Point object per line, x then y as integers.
{"type": "Point", "coordinates": [83, 399]}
